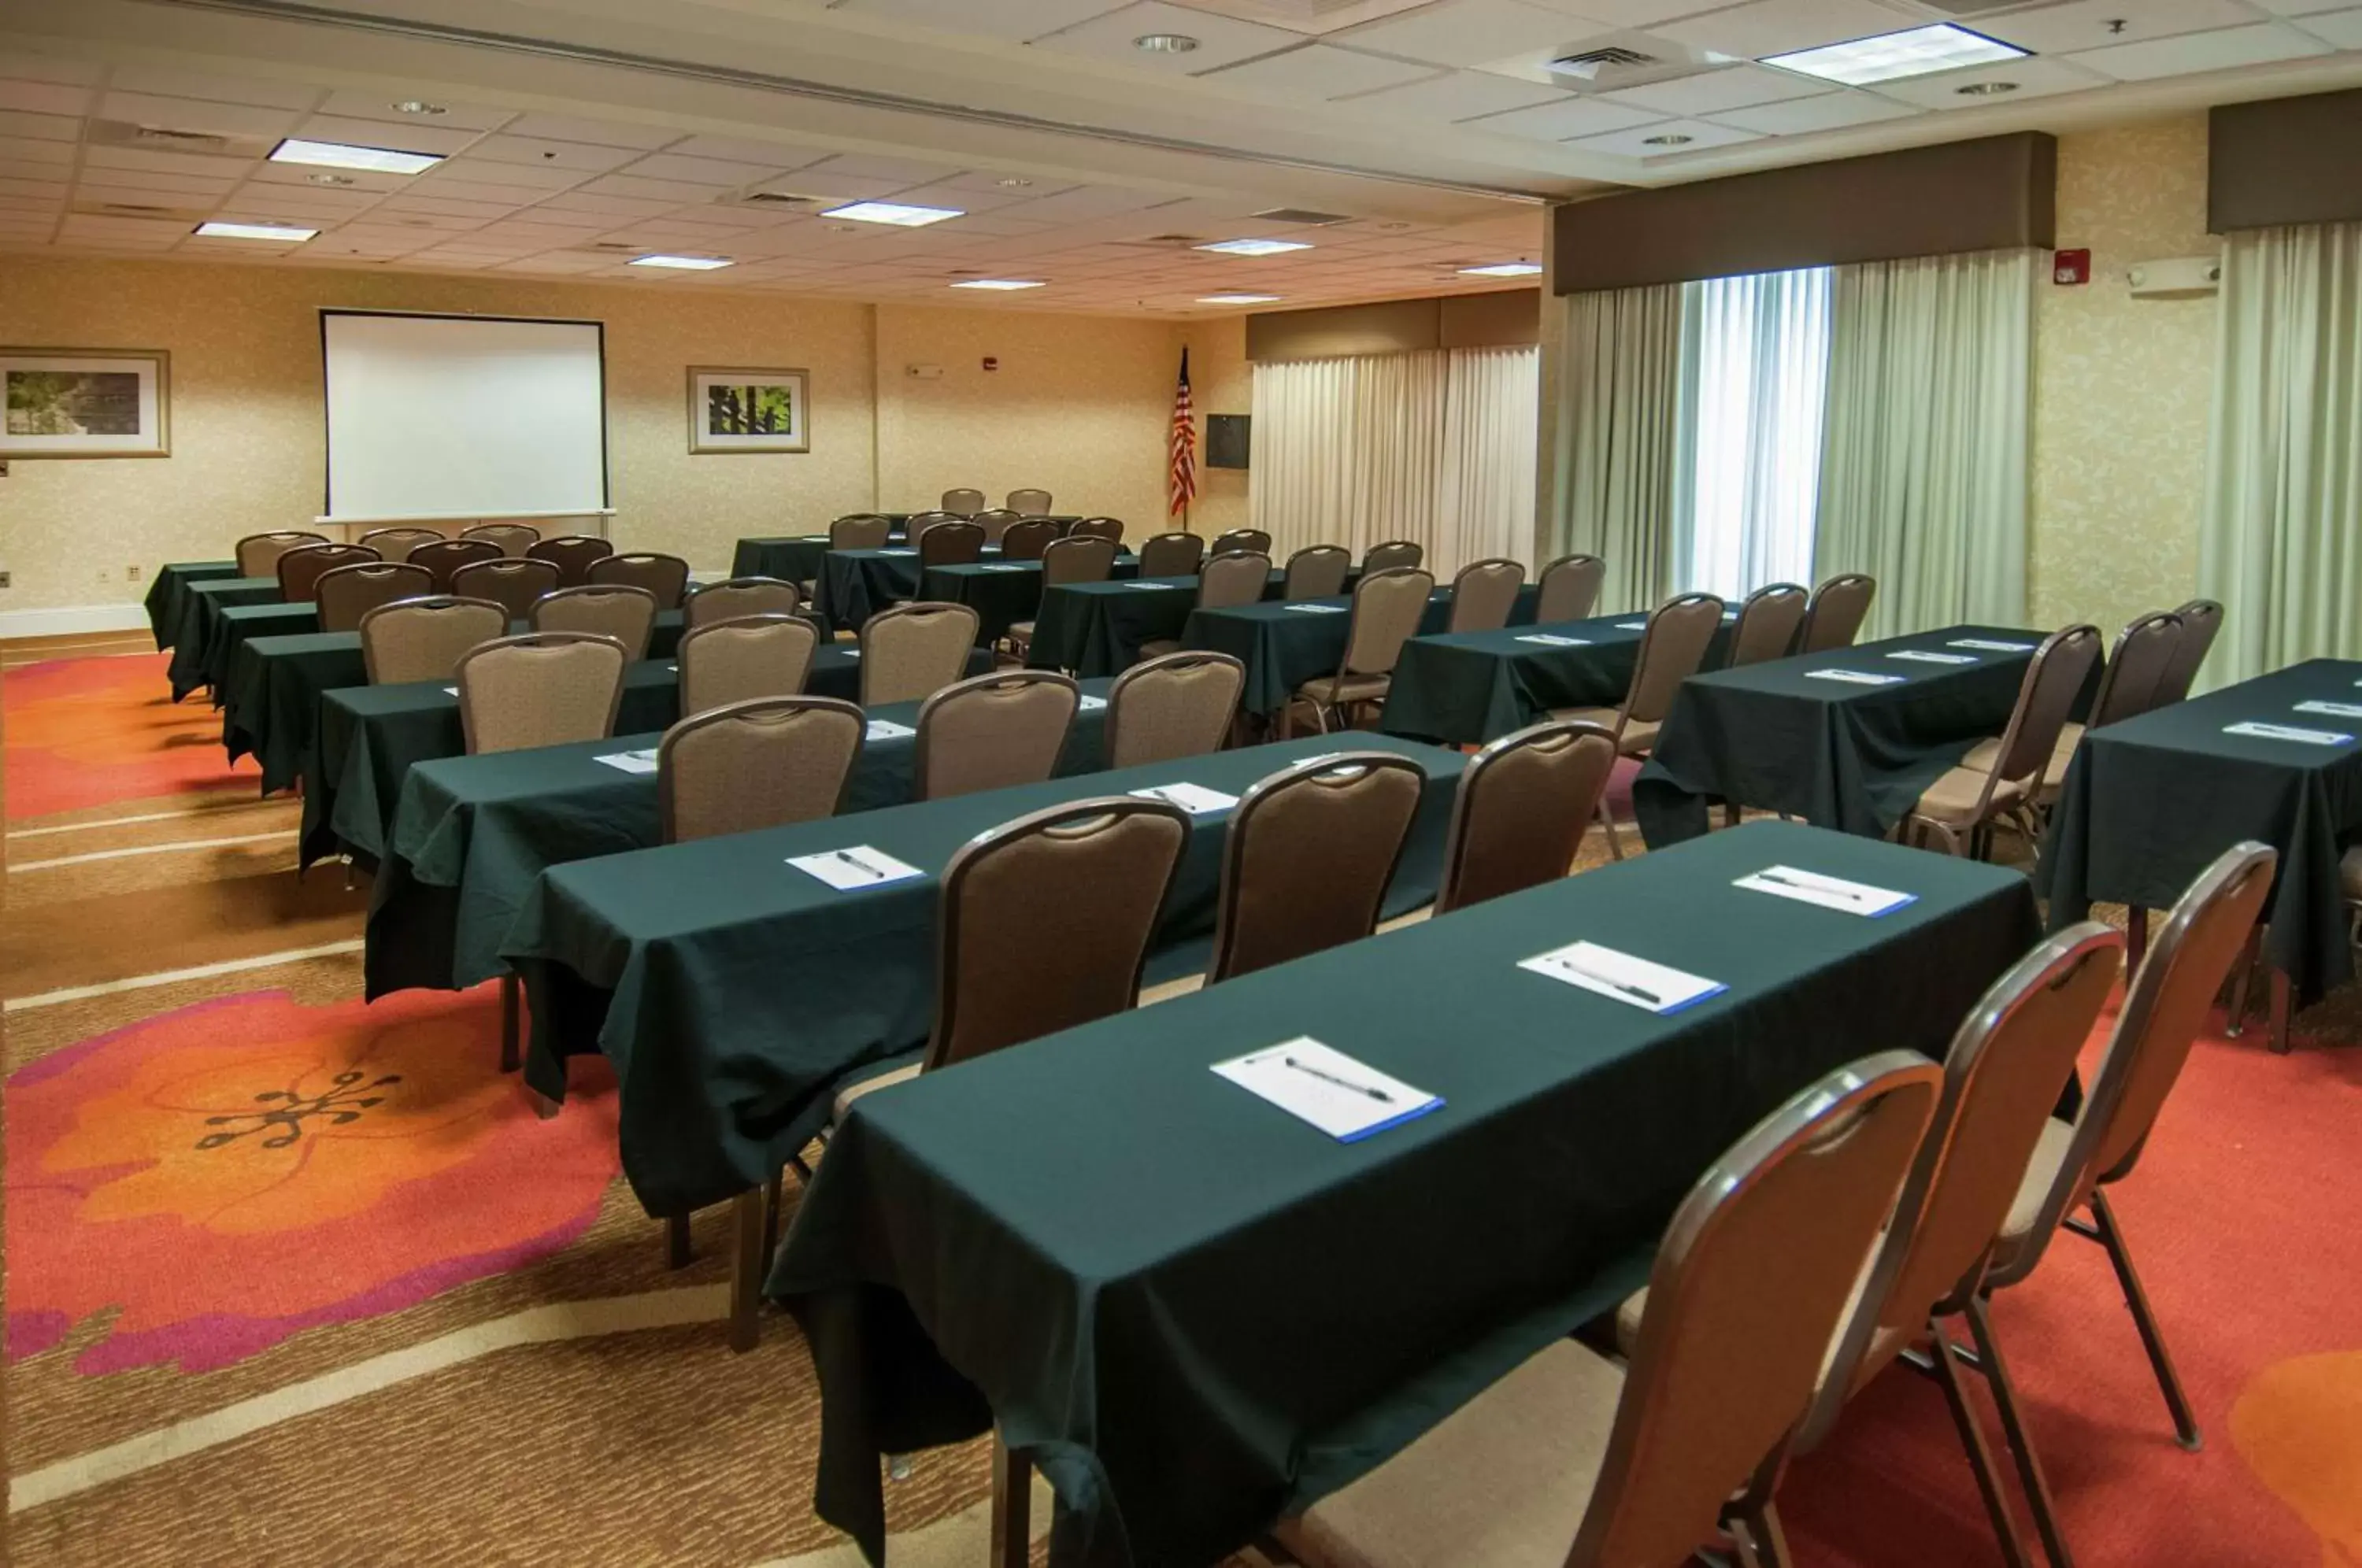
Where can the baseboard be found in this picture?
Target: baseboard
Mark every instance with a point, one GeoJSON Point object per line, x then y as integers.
{"type": "Point", "coordinates": [73, 619]}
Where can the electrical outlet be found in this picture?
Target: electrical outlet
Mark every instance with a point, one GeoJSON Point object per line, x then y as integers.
{"type": "Point", "coordinates": [131, 573]}
{"type": "Point", "coordinates": [6, 578]}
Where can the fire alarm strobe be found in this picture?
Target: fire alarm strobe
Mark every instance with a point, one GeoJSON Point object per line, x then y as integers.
{"type": "Point", "coordinates": [2069, 267]}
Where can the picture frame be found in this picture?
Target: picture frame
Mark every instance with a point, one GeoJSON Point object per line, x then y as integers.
{"type": "Point", "coordinates": [733, 409]}
{"type": "Point", "coordinates": [85, 402]}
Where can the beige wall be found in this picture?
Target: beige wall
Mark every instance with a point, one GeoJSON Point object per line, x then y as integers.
{"type": "Point", "coordinates": [1079, 405]}
{"type": "Point", "coordinates": [1222, 381]}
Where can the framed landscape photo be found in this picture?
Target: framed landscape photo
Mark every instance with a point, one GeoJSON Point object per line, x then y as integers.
{"type": "Point", "coordinates": [749, 410]}
{"type": "Point", "coordinates": [85, 402]}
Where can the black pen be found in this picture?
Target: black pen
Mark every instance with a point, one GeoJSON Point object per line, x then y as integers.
{"type": "Point", "coordinates": [857, 863]}
{"type": "Point", "coordinates": [1806, 887]}
{"type": "Point", "coordinates": [1635, 992]}
{"type": "Point", "coordinates": [1378, 1094]}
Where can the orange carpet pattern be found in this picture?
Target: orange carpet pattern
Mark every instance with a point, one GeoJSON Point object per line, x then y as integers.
{"type": "Point", "coordinates": [90, 731]}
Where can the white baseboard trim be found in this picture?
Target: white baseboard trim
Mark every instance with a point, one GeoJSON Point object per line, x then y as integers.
{"type": "Point", "coordinates": [73, 619]}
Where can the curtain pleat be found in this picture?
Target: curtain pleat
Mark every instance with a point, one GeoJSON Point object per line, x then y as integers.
{"type": "Point", "coordinates": [1617, 441]}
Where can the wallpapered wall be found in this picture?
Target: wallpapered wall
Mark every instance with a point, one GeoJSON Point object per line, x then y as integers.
{"type": "Point", "coordinates": [1078, 406]}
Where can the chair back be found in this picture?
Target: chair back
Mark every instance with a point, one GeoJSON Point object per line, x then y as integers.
{"type": "Point", "coordinates": [1747, 1289]}
{"type": "Point", "coordinates": [446, 556]}
{"type": "Point", "coordinates": [2201, 619]}
{"type": "Point", "coordinates": [1568, 590]}
{"type": "Point", "coordinates": [915, 527]}
{"type": "Point", "coordinates": [957, 543]}
{"type": "Point", "coordinates": [996, 522]}
{"type": "Point", "coordinates": [301, 569]}
{"type": "Point", "coordinates": [1179, 705]}
{"type": "Point", "coordinates": [665, 577]}
{"type": "Point", "coordinates": [1107, 528]}
{"type": "Point", "coordinates": [1769, 621]}
{"type": "Point", "coordinates": [733, 598]}
{"type": "Point", "coordinates": [508, 581]}
{"type": "Point", "coordinates": [2134, 680]}
{"type": "Point", "coordinates": [962, 502]}
{"type": "Point", "coordinates": [572, 554]}
{"type": "Point", "coordinates": [258, 554]}
{"type": "Point", "coordinates": [348, 592]}
{"type": "Point", "coordinates": [993, 732]}
{"type": "Point", "coordinates": [617, 609]}
{"type": "Point", "coordinates": [1673, 648]}
{"type": "Point", "coordinates": [1029, 502]}
{"type": "Point", "coordinates": [1308, 855]}
{"type": "Point", "coordinates": [1046, 921]}
{"type": "Point", "coordinates": [1523, 805]}
{"type": "Point", "coordinates": [1232, 577]}
{"type": "Point", "coordinates": [723, 662]}
{"type": "Point", "coordinates": [761, 763]}
{"type": "Point", "coordinates": [1078, 557]}
{"type": "Point", "coordinates": [1253, 541]}
{"type": "Point", "coordinates": [1393, 552]}
{"type": "Point", "coordinates": [513, 539]}
{"type": "Point", "coordinates": [541, 689]}
{"type": "Point", "coordinates": [395, 543]}
{"type": "Point", "coordinates": [1316, 571]}
{"type": "Point", "coordinates": [424, 639]}
{"type": "Point", "coordinates": [913, 651]}
{"type": "Point", "coordinates": [1027, 539]}
{"type": "Point", "coordinates": [1838, 608]}
{"type": "Point", "coordinates": [1388, 605]}
{"type": "Point", "coordinates": [1172, 555]}
{"type": "Point", "coordinates": [1484, 595]}
{"type": "Point", "coordinates": [861, 530]}
{"type": "Point", "coordinates": [2054, 678]}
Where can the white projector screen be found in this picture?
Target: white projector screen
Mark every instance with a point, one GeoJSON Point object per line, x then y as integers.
{"type": "Point", "coordinates": [436, 418]}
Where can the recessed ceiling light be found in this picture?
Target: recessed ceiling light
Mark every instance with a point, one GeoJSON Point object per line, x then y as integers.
{"type": "Point", "coordinates": [1254, 247]}
{"type": "Point", "coordinates": [681, 263]}
{"type": "Point", "coordinates": [338, 155]}
{"type": "Point", "coordinates": [1012, 182]}
{"type": "Point", "coordinates": [330, 179]}
{"type": "Point", "coordinates": [1986, 89]}
{"type": "Point", "coordinates": [896, 213]}
{"type": "Point", "coordinates": [1671, 138]}
{"type": "Point", "coordinates": [1916, 52]}
{"type": "Point", "coordinates": [1002, 284]}
{"type": "Point", "coordinates": [1504, 269]}
{"type": "Point", "coordinates": [419, 106]}
{"type": "Point", "coordinates": [1237, 299]}
{"type": "Point", "coordinates": [1164, 43]}
{"type": "Point", "coordinates": [286, 234]}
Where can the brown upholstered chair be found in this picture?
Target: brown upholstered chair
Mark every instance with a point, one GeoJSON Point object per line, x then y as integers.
{"type": "Point", "coordinates": [348, 592]}
{"type": "Point", "coordinates": [860, 531]}
{"type": "Point", "coordinates": [1316, 571]}
{"type": "Point", "coordinates": [1029, 502]}
{"type": "Point", "coordinates": [572, 554]}
{"type": "Point", "coordinates": [992, 732]}
{"type": "Point", "coordinates": [2132, 682]}
{"type": "Point", "coordinates": [761, 763]}
{"type": "Point", "coordinates": [395, 543]}
{"type": "Point", "coordinates": [446, 556]}
{"type": "Point", "coordinates": [513, 539]}
{"type": "Point", "coordinates": [1045, 924]}
{"type": "Point", "coordinates": [1179, 705]}
{"type": "Point", "coordinates": [1671, 648]}
{"type": "Point", "coordinates": [996, 521]}
{"type": "Point", "coordinates": [957, 543]}
{"type": "Point", "coordinates": [1253, 541]}
{"type": "Point", "coordinates": [1392, 554]}
{"type": "Point", "coordinates": [1107, 528]}
{"type": "Point", "coordinates": [301, 569]}
{"type": "Point", "coordinates": [915, 527]}
{"type": "Point", "coordinates": [1961, 808]}
{"type": "Point", "coordinates": [1839, 607]}
{"type": "Point", "coordinates": [2201, 619]}
{"type": "Point", "coordinates": [1229, 578]}
{"type": "Point", "coordinates": [510, 581]}
{"type": "Point", "coordinates": [665, 577]}
{"type": "Point", "coordinates": [723, 662]}
{"type": "Point", "coordinates": [1574, 1461]}
{"type": "Point", "coordinates": [1768, 624]}
{"type": "Point", "coordinates": [1387, 608]}
{"type": "Point", "coordinates": [424, 639]}
{"type": "Point", "coordinates": [1308, 855]}
{"type": "Point", "coordinates": [258, 554]}
{"type": "Point", "coordinates": [616, 610]}
{"type": "Point", "coordinates": [1519, 815]}
{"type": "Point", "coordinates": [540, 688]}
{"type": "Point", "coordinates": [962, 502]}
{"type": "Point", "coordinates": [1568, 588]}
{"type": "Point", "coordinates": [913, 651]}
{"type": "Point", "coordinates": [1027, 539]}
{"type": "Point", "coordinates": [1080, 557]}
{"type": "Point", "coordinates": [733, 598]}
{"type": "Point", "coordinates": [1485, 595]}
{"type": "Point", "coordinates": [1177, 554]}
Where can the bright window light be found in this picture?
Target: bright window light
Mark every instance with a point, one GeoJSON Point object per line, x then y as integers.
{"type": "Point", "coordinates": [1918, 51]}
{"type": "Point", "coordinates": [286, 234]}
{"type": "Point", "coordinates": [1503, 270]}
{"type": "Point", "coordinates": [337, 155]}
{"type": "Point", "coordinates": [681, 263]}
{"type": "Point", "coordinates": [1003, 284]}
{"type": "Point", "coordinates": [1254, 247]}
{"type": "Point", "coordinates": [895, 213]}
{"type": "Point", "coordinates": [1237, 299]}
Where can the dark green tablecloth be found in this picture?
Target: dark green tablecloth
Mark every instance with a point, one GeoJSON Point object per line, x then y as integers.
{"type": "Point", "coordinates": [1195, 1312]}
{"type": "Point", "coordinates": [853, 585]}
{"type": "Point", "coordinates": [200, 602]}
{"type": "Point", "coordinates": [1000, 591]}
{"type": "Point", "coordinates": [168, 594]}
{"type": "Point", "coordinates": [733, 993]}
{"type": "Point", "coordinates": [236, 625]}
{"type": "Point", "coordinates": [470, 834]}
{"type": "Point", "coordinates": [2147, 804]}
{"type": "Point", "coordinates": [1468, 687]}
{"type": "Point", "coordinates": [791, 559]}
{"type": "Point", "coordinates": [1853, 757]}
{"type": "Point", "coordinates": [1285, 644]}
{"type": "Point", "coordinates": [1096, 628]}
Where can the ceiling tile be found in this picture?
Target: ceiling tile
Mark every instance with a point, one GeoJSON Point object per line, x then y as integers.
{"type": "Point", "coordinates": [1738, 87]}
{"type": "Point", "coordinates": [1775, 27]}
{"type": "Point", "coordinates": [902, 171]}
{"type": "Point", "coordinates": [173, 84]}
{"type": "Point", "coordinates": [2342, 29]}
{"type": "Point", "coordinates": [1467, 32]}
{"type": "Point", "coordinates": [2096, 24]}
{"type": "Point", "coordinates": [592, 204]}
{"type": "Point", "coordinates": [769, 154]}
{"type": "Point", "coordinates": [498, 170]}
{"type": "Point", "coordinates": [100, 178]}
{"type": "Point", "coordinates": [41, 127]}
{"type": "Point", "coordinates": [1462, 95]}
{"type": "Point", "coordinates": [352, 103]}
{"type": "Point", "coordinates": [1570, 117]}
{"type": "Point", "coordinates": [598, 133]}
{"type": "Point", "coordinates": [1635, 143]}
{"type": "Point", "coordinates": [1222, 40]}
{"type": "Point", "coordinates": [536, 152]}
{"type": "Point", "coordinates": [22, 66]}
{"type": "Point", "coordinates": [1802, 116]}
{"type": "Point", "coordinates": [1629, 13]}
{"type": "Point", "coordinates": [163, 163]}
{"type": "Point", "coordinates": [31, 150]}
{"type": "Point", "coordinates": [2300, 8]}
{"type": "Point", "coordinates": [433, 183]}
{"type": "Point", "coordinates": [196, 114]}
{"type": "Point", "coordinates": [1318, 71]}
{"type": "Point", "coordinates": [1014, 21]}
{"type": "Point", "coordinates": [655, 190]}
{"type": "Point", "coordinates": [408, 137]}
{"type": "Point", "coordinates": [701, 170]}
{"type": "Point", "coordinates": [447, 208]}
{"type": "Point", "coordinates": [2192, 52]}
{"type": "Point", "coordinates": [44, 97]}
{"type": "Point", "coordinates": [360, 179]}
{"type": "Point", "coordinates": [38, 189]}
{"type": "Point", "coordinates": [2039, 77]}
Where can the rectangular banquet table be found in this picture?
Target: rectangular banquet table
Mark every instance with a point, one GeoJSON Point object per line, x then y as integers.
{"type": "Point", "coordinates": [2150, 803]}
{"type": "Point", "coordinates": [1464, 688]}
{"type": "Point", "coordinates": [470, 834]}
{"type": "Point", "coordinates": [200, 603]}
{"type": "Point", "coordinates": [795, 557]}
{"type": "Point", "coordinates": [1774, 737]}
{"type": "Point", "coordinates": [1000, 592]}
{"type": "Point", "coordinates": [853, 585]}
{"type": "Point", "coordinates": [1195, 1312]}
{"type": "Point", "coordinates": [733, 992]}
{"type": "Point", "coordinates": [1284, 644]}
{"type": "Point", "coordinates": [168, 594]}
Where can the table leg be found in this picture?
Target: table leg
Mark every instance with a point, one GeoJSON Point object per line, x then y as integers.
{"type": "Point", "coordinates": [1012, 1502]}
{"type": "Point", "coordinates": [2135, 939]}
{"type": "Point", "coordinates": [510, 1057]}
{"type": "Point", "coordinates": [746, 1229]}
{"type": "Point", "coordinates": [2280, 988]}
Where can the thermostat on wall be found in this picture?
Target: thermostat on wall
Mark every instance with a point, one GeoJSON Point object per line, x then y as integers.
{"type": "Point", "coordinates": [925, 373]}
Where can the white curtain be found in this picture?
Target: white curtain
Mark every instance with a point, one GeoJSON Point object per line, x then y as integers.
{"type": "Point", "coordinates": [1435, 446]}
{"type": "Point", "coordinates": [1616, 446]}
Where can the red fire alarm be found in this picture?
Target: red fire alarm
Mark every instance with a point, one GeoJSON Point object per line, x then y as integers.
{"type": "Point", "coordinates": [2070, 268]}
{"type": "Point", "coordinates": [990, 363]}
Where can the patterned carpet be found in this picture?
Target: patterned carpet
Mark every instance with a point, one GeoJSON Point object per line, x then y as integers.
{"type": "Point", "coordinates": [297, 1281]}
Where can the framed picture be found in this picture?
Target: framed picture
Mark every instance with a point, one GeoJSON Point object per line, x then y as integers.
{"type": "Point", "coordinates": [749, 410]}
{"type": "Point", "coordinates": [85, 402]}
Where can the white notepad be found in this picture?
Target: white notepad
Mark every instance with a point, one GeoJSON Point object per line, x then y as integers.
{"type": "Point", "coordinates": [1016, 566]}
{"type": "Point", "coordinates": [1829, 892]}
{"type": "Point", "coordinates": [452, 690]}
{"type": "Point", "coordinates": [1928, 655]}
{"type": "Point", "coordinates": [815, 538]}
{"type": "Point", "coordinates": [897, 552]}
{"type": "Point", "coordinates": [849, 870]}
{"type": "Point", "coordinates": [849, 652]}
{"type": "Point", "coordinates": [1090, 705]}
{"type": "Point", "coordinates": [1144, 586]}
{"type": "Point", "coordinates": [2332, 710]}
{"type": "Point", "coordinates": [1308, 608]}
{"type": "Point", "coordinates": [887, 729]}
{"type": "Point", "coordinates": [2288, 733]}
{"type": "Point", "coordinates": [1989, 646]}
{"type": "Point", "coordinates": [630, 761]}
{"type": "Point", "coordinates": [1635, 982]}
{"type": "Point", "coordinates": [1345, 1098]}
{"type": "Point", "coordinates": [1853, 677]}
{"type": "Point", "coordinates": [1194, 798]}
{"type": "Point", "coordinates": [1552, 640]}
{"type": "Point", "coordinates": [1631, 625]}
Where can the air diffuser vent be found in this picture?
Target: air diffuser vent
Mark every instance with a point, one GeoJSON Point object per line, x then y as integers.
{"type": "Point", "coordinates": [168, 139]}
{"type": "Point", "coordinates": [1592, 63]}
{"type": "Point", "coordinates": [1303, 215]}
{"type": "Point", "coordinates": [778, 199]}
{"type": "Point", "coordinates": [1166, 239]}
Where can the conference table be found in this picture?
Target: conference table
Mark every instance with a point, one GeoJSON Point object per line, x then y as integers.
{"type": "Point", "coordinates": [199, 605]}
{"type": "Point", "coordinates": [1465, 687]}
{"type": "Point", "coordinates": [1286, 643]}
{"type": "Point", "coordinates": [1097, 628]}
{"type": "Point", "coordinates": [796, 557]}
{"type": "Point", "coordinates": [1195, 1313]}
{"type": "Point", "coordinates": [1849, 739]}
{"type": "Point", "coordinates": [853, 585]}
{"type": "Point", "coordinates": [168, 594]}
{"type": "Point", "coordinates": [469, 835]}
{"type": "Point", "coordinates": [1000, 592]}
{"type": "Point", "coordinates": [2148, 803]}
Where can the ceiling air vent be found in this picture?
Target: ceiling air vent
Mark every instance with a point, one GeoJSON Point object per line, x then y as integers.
{"type": "Point", "coordinates": [166, 138]}
{"type": "Point", "coordinates": [141, 210]}
{"type": "Point", "coordinates": [776, 199]}
{"type": "Point", "coordinates": [1592, 64]}
{"type": "Point", "coordinates": [1167, 241]}
{"type": "Point", "coordinates": [1303, 215]}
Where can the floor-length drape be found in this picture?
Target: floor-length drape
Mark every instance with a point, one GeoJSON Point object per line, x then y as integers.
{"type": "Point", "coordinates": [1617, 442]}
{"type": "Point", "coordinates": [1924, 471]}
{"type": "Point", "coordinates": [1485, 486]}
{"type": "Point", "coordinates": [2281, 538]}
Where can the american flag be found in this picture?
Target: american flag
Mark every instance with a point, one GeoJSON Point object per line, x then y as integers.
{"type": "Point", "coordinates": [1181, 481]}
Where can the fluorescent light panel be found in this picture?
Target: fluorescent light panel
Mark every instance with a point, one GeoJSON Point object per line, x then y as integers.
{"type": "Point", "coordinates": [1237, 299]}
{"type": "Point", "coordinates": [1002, 284]}
{"type": "Point", "coordinates": [896, 213]}
{"type": "Point", "coordinates": [681, 263]}
{"type": "Point", "coordinates": [1889, 57]}
{"type": "Point", "coordinates": [338, 155]}
{"type": "Point", "coordinates": [1254, 247]}
{"type": "Point", "coordinates": [1503, 270]}
{"type": "Point", "coordinates": [285, 234]}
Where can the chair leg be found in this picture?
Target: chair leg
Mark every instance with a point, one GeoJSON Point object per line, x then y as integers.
{"type": "Point", "coordinates": [2021, 1442]}
{"type": "Point", "coordinates": [772, 1203]}
{"type": "Point", "coordinates": [2135, 938]}
{"type": "Point", "coordinates": [511, 1058]}
{"type": "Point", "coordinates": [2240, 974]}
{"type": "Point", "coordinates": [745, 1268]}
{"type": "Point", "coordinates": [1730, 814]}
{"type": "Point", "coordinates": [1947, 1368]}
{"type": "Point", "coordinates": [677, 1252]}
{"type": "Point", "coordinates": [2110, 1235]}
{"type": "Point", "coordinates": [1011, 1542]}
{"type": "Point", "coordinates": [1607, 821]}
{"type": "Point", "coordinates": [1758, 1538]}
